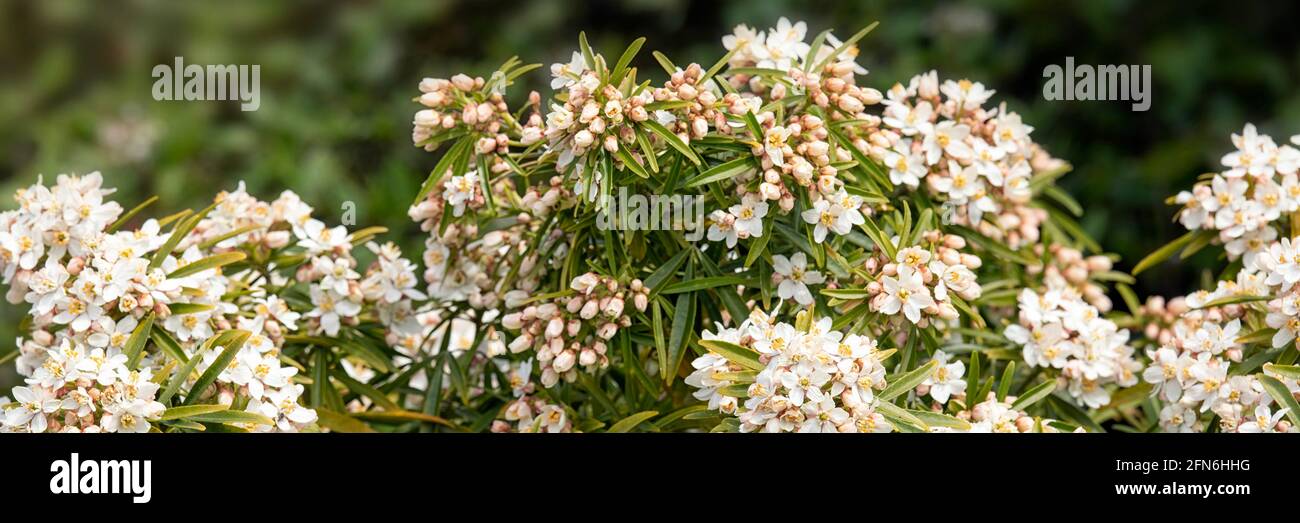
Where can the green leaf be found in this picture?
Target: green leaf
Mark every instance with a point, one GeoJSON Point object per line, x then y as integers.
{"type": "Point", "coordinates": [340, 422]}
{"type": "Point", "coordinates": [1232, 300]}
{"type": "Point", "coordinates": [665, 271]}
{"type": "Point", "coordinates": [1064, 199]}
{"type": "Point", "coordinates": [1282, 396]}
{"type": "Point", "coordinates": [181, 309]}
{"type": "Point", "coordinates": [167, 343]}
{"type": "Point", "coordinates": [402, 416]}
{"type": "Point", "coordinates": [697, 284]}
{"type": "Point", "coordinates": [130, 214]}
{"type": "Point", "coordinates": [672, 140]}
{"type": "Point", "coordinates": [722, 171]}
{"type": "Point", "coordinates": [233, 417]}
{"type": "Point", "coordinates": [908, 381]}
{"type": "Point", "coordinates": [134, 347]}
{"type": "Point", "coordinates": [1004, 384]}
{"type": "Point", "coordinates": [900, 416]}
{"type": "Point", "coordinates": [178, 232]}
{"type": "Point", "coordinates": [1259, 336]}
{"type": "Point", "coordinates": [1167, 251]}
{"type": "Point", "coordinates": [631, 422]}
{"type": "Point", "coordinates": [664, 62]}
{"type": "Point", "coordinates": [190, 411]}
{"type": "Point", "coordinates": [181, 375]}
{"type": "Point", "coordinates": [759, 246]}
{"type": "Point", "coordinates": [452, 157]}
{"type": "Point", "coordinates": [620, 68]}
{"type": "Point", "coordinates": [846, 294]}
{"type": "Point", "coordinates": [742, 356]}
{"type": "Point", "coordinates": [588, 55]}
{"type": "Point", "coordinates": [935, 419]}
{"type": "Point", "coordinates": [374, 394]}
{"type": "Point", "coordinates": [1286, 371]}
{"type": "Point", "coordinates": [1033, 395]}
{"type": "Point", "coordinates": [214, 241]}
{"type": "Point", "coordinates": [231, 340]}
{"type": "Point", "coordinates": [682, 330]}
{"type": "Point", "coordinates": [1073, 413]}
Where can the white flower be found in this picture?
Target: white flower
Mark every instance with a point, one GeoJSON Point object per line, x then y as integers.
{"type": "Point", "coordinates": [128, 417]}
{"type": "Point", "coordinates": [905, 169]}
{"type": "Point", "coordinates": [318, 239]}
{"type": "Point", "coordinates": [33, 405]}
{"type": "Point", "coordinates": [828, 216]}
{"type": "Point", "coordinates": [946, 379]}
{"type": "Point", "coordinates": [331, 308]}
{"type": "Point", "coordinates": [795, 277]}
{"type": "Point", "coordinates": [774, 145]}
{"type": "Point", "coordinates": [749, 215]}
{"type": "Point", "coordinates": [947, 137]}
{"type": "Point", "coordinates": [723, 227]}
{"type": "Point", "coordinates": [460, 190]}
{"type": "Point", "coordinates": [1265, 420]}
{"type": "Point", "coordinates": [907, 293]}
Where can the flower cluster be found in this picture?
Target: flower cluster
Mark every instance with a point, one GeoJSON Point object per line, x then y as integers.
{"type": "Point", "coordinates": [921, 281]}
{"type": "Point", "coordinates": [813, 380]}
{"type": "Point", "coordinates": [977, 161]}
{"type": "Point", "coordinates": [1058, 330]}
{"type": "Point", "coordinates": [465, 103]}
{"type": "Point", "coordinates": [83, 389]}
{"type": "Point", "coordinates": [1259, 186]}
{"type": "Point", "coordinates": [213, 290]}
{"type": "Point", "coordinates": [572, 332]}
{"type": "Point", "coordinates": [1191, 372]}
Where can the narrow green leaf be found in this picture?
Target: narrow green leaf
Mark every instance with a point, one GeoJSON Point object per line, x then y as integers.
{"type": "Point", "coordinates": [1286, 371]}
{"type": "Point", "coordinates": [1282, 396]}
{"type": "Point", "coordinates": [134, 347]}
{"type": "Point", "coordinates": [1033, 395]}
{"type": "Point", "coordinates": [742, 356]}
{"type": "Point", "coordinates": [233, 417]}
{"type": "Point", "coordinates": [338, 422]}
{"type": "Point", "coordinates": [908, 381]}
{"type": "Point", "coordinates": [631, 422]}
{"type": "Point", "coordinates": [1165, 252]}
{"type": "Point", "coordinates": [682, 329]}
{"type": "Point", "coordinates": [697, 284]}
{"type": "Point", "coordinates": [722, 171]}
{"type": "Point", "coordinates": [190, 410]}
{"type": "Point", "coordinates": [231, 341]}
{"type": "Point", "coordinates": [130, 214]}
{"type": "Point", "coordinates": [620, 68]}
{"type": "Point", "coordinates": [672, 140]}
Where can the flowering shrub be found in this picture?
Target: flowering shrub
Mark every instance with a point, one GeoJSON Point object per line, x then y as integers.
{"type": "Point", "coordinates": [1223, 359]}
{"type": "Point", "coordinates": [873, 261]}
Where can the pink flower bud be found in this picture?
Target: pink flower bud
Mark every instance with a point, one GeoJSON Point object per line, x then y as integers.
{"type": "Point", "coordinates": [564, 361]}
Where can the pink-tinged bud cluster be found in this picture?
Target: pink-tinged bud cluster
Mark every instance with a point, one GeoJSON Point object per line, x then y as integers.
{"type": "Point", "coordinates": [593, 115]}
{"type": "Point", "coordinates": [693, 105]}
{"type": "Point", "coordinates": [461, 103]}
{"type": "Point", "coordinates": [993, 415]}
{"type": "Point", "coordinates": [1068, 266]}
{"type": "Point", "coordinates": [921, 281]}
{"type": "Point", "coordinates": [571, 334]}
{"type": "Point", "coordinates": [797, 150]}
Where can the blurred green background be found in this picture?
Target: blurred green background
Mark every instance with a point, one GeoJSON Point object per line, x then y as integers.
{"type": "Point", "coordinates": [337, 79]}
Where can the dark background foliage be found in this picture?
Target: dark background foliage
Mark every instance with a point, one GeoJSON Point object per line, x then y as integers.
{"type": "Point", "coordinates": [337, 80]}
